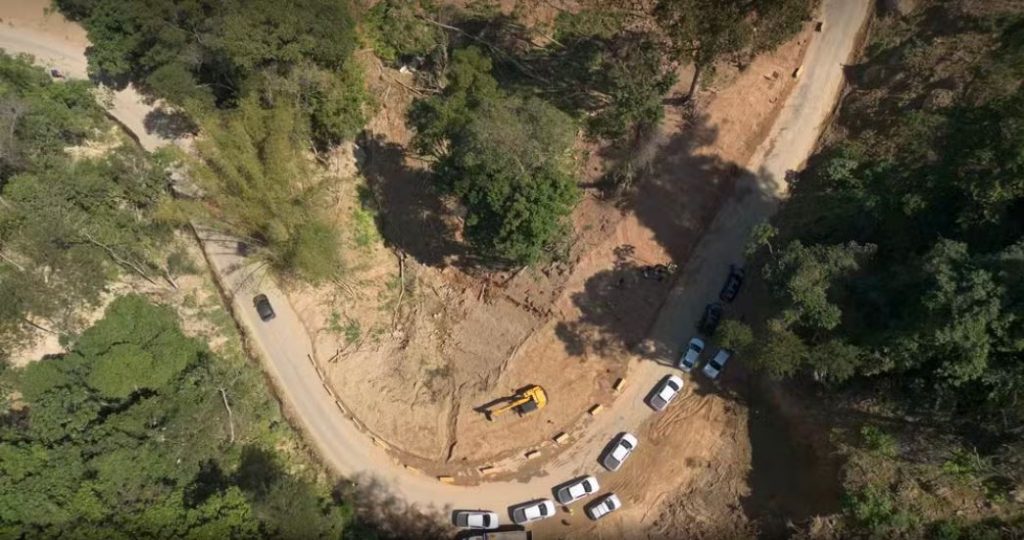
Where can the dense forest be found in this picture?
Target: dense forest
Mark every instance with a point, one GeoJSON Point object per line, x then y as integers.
{"type": "Point", "coordinates": [125, 435]}
{"type": "Point", "coordinates": [69, 224]}
{"type": "Point", "coordinates": [894, 275]}
{"type": "Point", "coordinates": [231, 71]}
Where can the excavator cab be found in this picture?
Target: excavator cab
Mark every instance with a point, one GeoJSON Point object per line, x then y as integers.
{"type": "Point", "coordinates": [525, 401]}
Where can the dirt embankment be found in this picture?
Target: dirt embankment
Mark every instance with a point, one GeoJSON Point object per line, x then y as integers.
{"type": "Point", "coordinates": [413, 361]}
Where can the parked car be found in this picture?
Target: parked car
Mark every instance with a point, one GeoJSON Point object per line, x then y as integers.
{"type": "Point", "coordinates": [732, 284]}
{"type": "Point", "coordinates": [263, 307]}
{"type": "Point", "coordinates": [576, 490]}
{"type": "Point", "coordinates": [604, 506]}
{"type": "Point", "coordinates": [475, 519]}
{"type": "Point", "coordinates": [665, 392]}
{"type": "Point", "coordinates": [501, 535]}
{"type": "Point", "coordinates": [709, 321]}
{"type": "Point", "coordinates": [622, 446]}
{"type": "Point", "coordinates": [715, 366]}
{"type": "Point", "coordinates": [533, 511]}
{"type": "Point", "coordinates": [688, 360]}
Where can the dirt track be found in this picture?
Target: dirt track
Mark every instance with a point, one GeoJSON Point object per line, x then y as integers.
{"type": "Point", "coordinates": [285, 346]}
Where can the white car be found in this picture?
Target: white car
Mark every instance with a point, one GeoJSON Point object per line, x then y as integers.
{"type": "Point", "coordinates": [604, 506]}
{"type": "Point", "coordinates": [576, 490]}
{"type": "Point", "coordinates": [665, 392]}
{"type": "Point", "coordinates": [622, 446]}
{"type": "Point", "coordinates": [691, 355]}
{"type": "Point", "coordinates": [475, 519]}
{"type": "Point", "coordinates": [533, 511]}
{"type": "Point", "coordinates": [715, 366]}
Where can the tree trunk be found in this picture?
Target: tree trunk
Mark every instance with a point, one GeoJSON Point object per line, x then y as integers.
{"type": "Point", "coordinates": [697, 68]}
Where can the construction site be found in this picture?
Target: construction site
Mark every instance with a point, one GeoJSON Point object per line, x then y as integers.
{"type": "Point", "coordinates": [477, 377]}
{"type": "Point", "coordinates": [493, 383]}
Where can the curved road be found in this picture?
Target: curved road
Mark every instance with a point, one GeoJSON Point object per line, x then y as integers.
{"type": "Point", "coordinates": [285, 347]}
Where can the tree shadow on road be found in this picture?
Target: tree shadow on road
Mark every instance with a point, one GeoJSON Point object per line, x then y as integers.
{"type": "Point", "coordinates": [790, 479]}
{"type": "Point", "coordinates": [169, 123]}
{"type": "Point", "coordinates": [677, 201]}
{"type": "Point", "coordinates": [381, 514]}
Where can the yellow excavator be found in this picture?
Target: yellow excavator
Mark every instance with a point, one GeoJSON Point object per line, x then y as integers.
{"type": "Point", "coordinates": [526, 400]}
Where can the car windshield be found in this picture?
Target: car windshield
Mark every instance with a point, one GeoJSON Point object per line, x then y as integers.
{"type": "Point", "coordinates": [626, 444]}
{"type": "Point", "coordinates": [694, 347]}
{"type": "Point", "coordinates": [672, 385]}
{"type": "Point", "coordinates": [714, 363]}
{"type": "Point", "coordinates": [543, 510]}
{"type": "Point", "coordinates": [486, 520]}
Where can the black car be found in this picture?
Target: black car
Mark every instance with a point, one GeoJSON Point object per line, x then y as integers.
{"type": "Point", "coordinates": [709, 322]}
{"type": "Point", "coordinates": [263, 307]}
{"type": "Point", "coordinates": [732, 284]}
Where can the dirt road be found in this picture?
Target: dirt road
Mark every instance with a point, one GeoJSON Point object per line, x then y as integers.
{"type": "Point", "coordinates": [285, 346]}
{"type": "Point", "coordinates": [60, 44]}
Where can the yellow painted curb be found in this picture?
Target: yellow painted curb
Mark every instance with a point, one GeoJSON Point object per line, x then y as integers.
{"type": "Point", "coordinates": [561, 437]}
{"type": "Point", "coordinates": [596, 409]}
{"type": "Point", "coordinates": [446, 479]}
{"type": "Point", "coordinates": [619, 384]}
{"type": "Point", "coordinates": [532, 454]}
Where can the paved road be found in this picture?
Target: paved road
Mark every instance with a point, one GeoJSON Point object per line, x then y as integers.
{"type": "Point", "coordinates": [284, 344]}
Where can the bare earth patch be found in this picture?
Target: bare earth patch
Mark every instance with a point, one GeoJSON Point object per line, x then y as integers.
{"type": "Point", "coordinates": [413, 348]}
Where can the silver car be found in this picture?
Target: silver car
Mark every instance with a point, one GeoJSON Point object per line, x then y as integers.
{"type": "Point", "coordinates": [475, 519]}
{"type": "Point", "coordinates": [715, 366]}
{"type": "Point", "coordinates": [576, 490]}
{"type": "Point", "coordinates": [622, 446]}
{"type": "Point", "coordinates": [604, 506]}
{"type": "Point", "coordinates": [533, 511]}
{"type": "Point", "coordinates": [691, 355]}
{"type": "Point", "coordinates": [665, 392]}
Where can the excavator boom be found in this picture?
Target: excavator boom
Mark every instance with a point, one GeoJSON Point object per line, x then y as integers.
{"type": "Point", "coordinates": [526, 400]}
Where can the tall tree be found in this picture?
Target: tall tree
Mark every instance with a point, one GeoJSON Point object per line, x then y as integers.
{"type": "Point", "coordinates": [507, 159]}
{"type": "Point", "coordinates": [256, 178]}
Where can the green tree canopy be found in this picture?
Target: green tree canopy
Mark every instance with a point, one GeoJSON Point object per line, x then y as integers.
{"type": "Point", "coordinates": [125, 437]}
{"type": "Point", "coordinates": [67, 225]}
{"type": "Point", "coordinates": [255, 174]}
{"type": "Point", "coordinates": [507, 158]}
{"type": "Point", "coordinates": [705, 31]}
{"type": "Point", "coordinates": [203, 54]}
{"type": "Point", "coordinates": [934, 307]}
